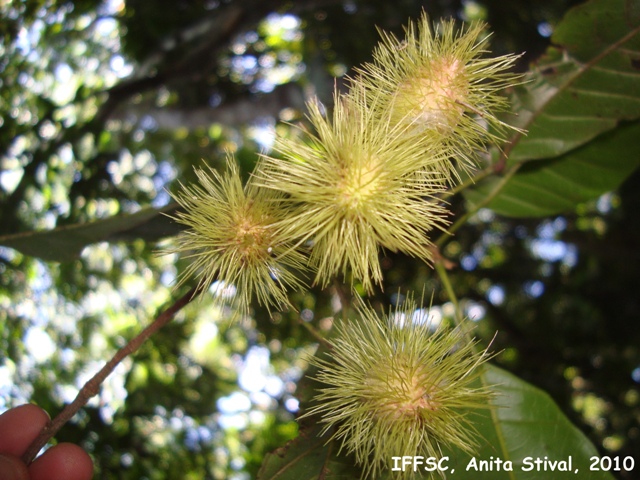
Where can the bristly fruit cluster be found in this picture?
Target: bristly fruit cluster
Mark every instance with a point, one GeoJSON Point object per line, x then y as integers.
{"type": "Point", "coordinates": [366, 178]}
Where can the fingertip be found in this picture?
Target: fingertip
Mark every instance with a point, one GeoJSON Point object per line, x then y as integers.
{"type": "Point", "coordinates": [65, 461]}
{"type": "Point", "coordinates": [12, 468]}
{"type": "Point", "coordinates": [20, 426]}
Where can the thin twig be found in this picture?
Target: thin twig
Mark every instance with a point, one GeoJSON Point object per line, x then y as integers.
{"type": "Point", "coordinates": [497, 188]}
{"type": "Point", "coordinates": [446, 283]}
{"type": "Point", "coordinates": [316, 334]}
{"type": "Point", "coordinates": [345, 302]}
{"type": "Point", "coordinates": [479, 176]}
{"type": "Point", "coordinates": [92, 387]}
{"type": "Point", "coordinates": [458, 316]}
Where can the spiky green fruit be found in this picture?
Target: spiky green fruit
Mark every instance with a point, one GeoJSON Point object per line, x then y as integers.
{"type": "Point", "coordinates": [357, 185]}
{"type": "Point", "coordinates": [231, 236]}
{"type": "Point", "coordinates": [396, 386]}
{"type": "Point", "coordinates": [354, 187]}
{"type": "Point", "coordinates": [441, 83]}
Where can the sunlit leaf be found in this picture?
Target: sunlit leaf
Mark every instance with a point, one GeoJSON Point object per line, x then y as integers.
{"type": "Point", "coordinates": [587, 84]}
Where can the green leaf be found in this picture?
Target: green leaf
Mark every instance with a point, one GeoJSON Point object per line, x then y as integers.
{"type": "Point", "coordinates": [586, 83]}
{"type": "Point", "coordinates": [307, 457]}
{"type": "Point", "coordinates": [64, 244]}
{"type": "Point", "coordinates": [525, 423]}
{"type": "Point", "coordinates": [549, 187]}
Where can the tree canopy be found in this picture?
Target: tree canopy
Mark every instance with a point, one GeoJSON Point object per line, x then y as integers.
{"type": "Point", "coordinates": [107, 106]}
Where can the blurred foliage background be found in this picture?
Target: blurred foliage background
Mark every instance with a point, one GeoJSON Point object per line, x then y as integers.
{"type": "Point", "coordinates": [106, 105]}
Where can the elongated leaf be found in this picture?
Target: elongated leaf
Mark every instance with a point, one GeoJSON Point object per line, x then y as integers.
{"type": "Point", "coordinates": [307, 457]}
{"type": "Point", "coordinates": [548, 187]}
{"type": "Point", "coordinates": [522, 426]}
{"type": "Point", "coordinates": [66, 243]}
{"type": "Point", "coordinates": [525, 425]}
{"type": "Point", "coordinates": [585, 86]}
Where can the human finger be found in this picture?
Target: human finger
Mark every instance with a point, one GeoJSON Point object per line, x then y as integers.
{"type": "Point", "coordinates": [65, 461]}
{"type": "Point", "coordinates": [20, 426]}
{"type": "Point", "coordinates": [12, 468]}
